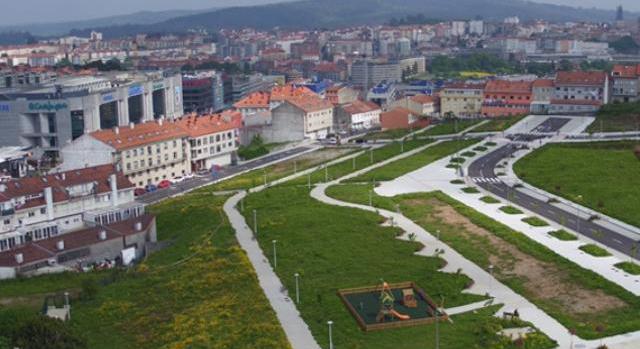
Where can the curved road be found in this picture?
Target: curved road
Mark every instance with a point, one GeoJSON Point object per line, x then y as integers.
{"type": "Point", "coordinates": [484, 167]}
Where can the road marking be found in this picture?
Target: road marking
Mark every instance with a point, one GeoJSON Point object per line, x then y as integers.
{"type": "Point", "coordinates": [617, 241]}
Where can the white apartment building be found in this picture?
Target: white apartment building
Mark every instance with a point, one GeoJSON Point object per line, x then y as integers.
{"type": "Point", "coordinates": [38, 208]}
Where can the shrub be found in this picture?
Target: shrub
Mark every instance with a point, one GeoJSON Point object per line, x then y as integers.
{"type": "Point", "coordinates": [595, 250]}
{"type": "Point", "coordinates": [510, 210]}
{"type": "Point", "coordinates": [468, 154]}
{"type": "Point", "coordinates": [480, 148]}
{"type": "Point", "coordinates": [457, 181]}
{"type": "Point", "coordinates": [535, 222]}
{"type": "Point", "coordinates": [44, 332]}
{"type": "Point", "coordinates": [458, 160]}
{"type": "Point", "coordinates": [470, 190]}
{"type": "Point", "coordinates": [489, 200]}
{"type": "Point", "coordinates": [629, 267]}
{"type": "Point", "coordinates": [454, 166]}
{"type": "Point", "coordinates": [563, 235]}
{"type": "Point", "coordinates": [490, 144]}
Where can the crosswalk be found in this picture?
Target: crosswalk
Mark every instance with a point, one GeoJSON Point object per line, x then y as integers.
{"type": "Point", "coordinates": [485, 180]}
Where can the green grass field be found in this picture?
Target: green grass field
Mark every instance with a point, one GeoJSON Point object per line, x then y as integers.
{"type": "Point", "coordinates": [200, 292]}
{"type": "Point", "coordinates": [489, 200]}
{"type": "Point", "coordinates": [616, 117]}
{"type": "Point", "coordinates": [629, 267]}
{"type": "Point", "coordinates": [604, 174]}
{"type": "Point", "coordinates": [535, 222]}
{"type": "Point", "coordinates": [414, 162]}
{"type": "Point", "coordinates": [510, 210]}
{"type": "Point", "coordinates": [334, 247]}
{"type": "Point", "coordinates": [451, 127]}
{"type": "Point", "coordinates": [424, 209]}
{"type": "Point", "coordinates": [499, 124]}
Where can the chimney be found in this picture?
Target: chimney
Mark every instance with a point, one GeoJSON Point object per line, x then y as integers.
{"type": "Point", "coordinates": [116, 130]}
{"type": "Point", "coordinates": [113, 181]}
{"type": "Point", "coordinates": [19, 258]}
{"type": "Point", "coordinates": [138, 226]}
{"type": "Point", "coordinates": [60, 245]}
{"type": "Point", "coordinates": [48, 199]}
{"type": "Point", "coordinates": [102, 235]}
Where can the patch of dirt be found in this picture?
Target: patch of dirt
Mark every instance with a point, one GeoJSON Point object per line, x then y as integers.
{"type": "Point", "coordinates": [542, 280]}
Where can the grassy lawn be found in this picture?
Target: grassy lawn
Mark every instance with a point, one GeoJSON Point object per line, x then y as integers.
{"type": "Point", "coordinates": [389, 134]}
{"type": "Point", "coordinates": [457, 182]}
{"type": "Point", "coordinates": [480, 148]}
{"type": "Point", "coordinates": [335, 247]}
{"type": "Point", "coordinates": [280, 170]}
{"type": "Point", "coordinates": [365, 160]}
{"type": "Point", "coordinates": [414, 162]}
{"type": "Point", "coordinates": [535, 222]}
{"type": "Point", "coordinates": [604, 174]}
{"type": "Point", "coordinates": [499, 124]}
{"type": "Point", "coordinates": [578, 298]}
{"type": "Point", "coordinates": [595, 250]}
{"type": "Point", "coordinates": [489, 200]}
{"type": "Point", "coordinates": [616, 117]}
{"type": "Point", "coordinates": [468, 154]}
{"type": "Point", "coordinates": [200, 292]}
{"type": "Point", "coordinates": [629, 267]}
{"type": "Point", "coordinates": [510, 210]}
{"type": "Point", "coordinates": [451, 127]}
{"type": "Point", "coordinates": [563, 235]}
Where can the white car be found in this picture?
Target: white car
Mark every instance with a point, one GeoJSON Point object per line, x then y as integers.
{"type": "Point", "coordinates": [177, 180]}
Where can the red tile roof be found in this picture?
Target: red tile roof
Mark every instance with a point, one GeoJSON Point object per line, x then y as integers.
{"type": "Point", "coordinates": [626, 71]}
{"type": "Point", "coordinates": [197, 126]}
{"type": "Point", "coordinates": [259, 99]}
{"type": "Point", "coordinates": [581, 78]}
{"type": "Point", "coordinates": [464, 86]}
{"type": "Point", "coordinates": [141, 134]}
{"type": "Point", "coordinates": [310, 103]}
{"type": "Point", "coordinates": [359, 107]}
{"type": "Point", "coordinates": [35, 186]}
{"type": "Point", "coordinates": [507, 86]}
{"type": "Point", "coordinates": [423, 99]}
{"type": "Point", "coordinates": [281, 93]}
{"type": "Point", "coordinates": [543, 83]}
{"type": "Point", "coordinates": [43, 250]}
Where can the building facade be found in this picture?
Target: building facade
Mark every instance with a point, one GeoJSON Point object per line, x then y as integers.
{"type": "Point", "coordinates": [356, 116]}
{"type": "Point", "coordinates": [626, 83]}
{"type": "Point", "coordinates": [580, 92]}
{"type": "Point", "coordinates": [506, 98]}
{"type": "Point", "coordinates": [462, 100]}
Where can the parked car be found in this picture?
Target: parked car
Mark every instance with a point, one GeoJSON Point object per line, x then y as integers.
{"type": "Point", "coordinates": [139, 191]}
{"type": "Point", "coordinates": [176, 180]}
{"type": "Point", "coordinates": [150, 188]}
{"type": "Point", "coordinates": [164, 184]}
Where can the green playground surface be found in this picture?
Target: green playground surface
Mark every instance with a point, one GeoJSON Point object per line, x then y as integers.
{"type": "Point", "coordinates": [365, 305]}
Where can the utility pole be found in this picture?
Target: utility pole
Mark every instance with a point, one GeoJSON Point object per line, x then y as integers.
{"type": "Point", "coordinates": [297, 276]}
{"type": "Point", "coordinates": [255, 222]}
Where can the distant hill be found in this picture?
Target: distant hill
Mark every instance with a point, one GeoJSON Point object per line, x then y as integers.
{"type": "Point", "coordinates": [335, 13]}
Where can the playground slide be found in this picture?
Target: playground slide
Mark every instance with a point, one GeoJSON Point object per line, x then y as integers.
{"type": "Point", "coordinates": [400, 316]}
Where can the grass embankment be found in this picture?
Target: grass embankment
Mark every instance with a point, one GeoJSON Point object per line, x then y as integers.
{"type": "Point", "coordinates": [489, 200]}
{"type": "Point", "coordinates": [535, 222]}
{"type": "Point", "coordinates": [335, 247]}
{"type": "Point", "coordinates": [595, 250]}
{"type": "Point", "coordinates": [499, 124]}
{"type": "Point", "coordinates": [617, 117]}
{"type": "Point", "coordinates": [563, 235]}
{"type": "Point", "coordinates": [580, 299]}
{"type": "Point", "coordinates": [599, 175]}
{"type": "Point", "coordinates": [414, 162]}
{"type": "Point", "coordinates": [451, 127]}
{"type": "Point", "coordinates": [282, 169]}
{"type": "Point", "coordinates": [389, 134]}
{"type": "Point", "coordinates": [199, 292]}
{"type": "Point", "coordinates": [629, 267]}
{"type": "Point", "coordinates": [370, 157]}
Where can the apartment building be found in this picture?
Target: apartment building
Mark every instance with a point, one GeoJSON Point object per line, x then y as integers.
{"type": "Point", "coordinates": [303, 117]}
{"type": "Point", "coordinates": [358, 115]}
{"type": "Point", "coordinates": [506, 98]}
{"type": "Point", "coordinates": [147, 153]}
{"type": "Point", "coordinates": [213, 139]}
{"type": "Point", "coordinates": [626, 83]}
{"type": "Point", "coordinates": [461, 99]}
{"type": "Point", "coordinates": [541, 93]}
{"type": "Point", "coordinates": [580, 92]}
{"type": "Point", "coordinates": [402, 118]}
{"type": "Point", "coordinates": [39, 208]}
{"type": "Point", "coordinates": [419, 104]}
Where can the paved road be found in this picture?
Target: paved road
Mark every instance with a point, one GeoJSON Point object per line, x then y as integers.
{"type": "Point", "coordinates": [484, 167]}
{"type": "Point", "coordinates": [226, 172]}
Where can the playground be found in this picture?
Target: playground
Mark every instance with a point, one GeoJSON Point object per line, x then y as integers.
{"type": "Point", "coordinates": [390, 306]}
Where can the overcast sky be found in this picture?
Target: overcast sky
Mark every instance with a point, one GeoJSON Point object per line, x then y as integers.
{"type": "Point", "coordinates": [38, 11]}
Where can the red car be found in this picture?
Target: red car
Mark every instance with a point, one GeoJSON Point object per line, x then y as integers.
{"type": "Point", "coordinates": [139, 191]}
{"type": "Point", "coordinates": [164, 184]}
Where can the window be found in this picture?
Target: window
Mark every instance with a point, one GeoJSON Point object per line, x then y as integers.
{"type": "Point", "coordinates": [127, 154]}
{"type": "Point", "coordinates": [43, 210]}
{"type": "Point", "coordinates": [7, 221]}
{"type": "Point", "coordinates": [32, 213]}
{"type": "Point", "coordinates": [175, 143]}
{"type": "Point", "coordinates": [129, 166]}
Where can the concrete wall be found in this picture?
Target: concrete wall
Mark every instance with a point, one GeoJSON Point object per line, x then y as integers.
{"type": "Point", "coordinates": [287, 125]}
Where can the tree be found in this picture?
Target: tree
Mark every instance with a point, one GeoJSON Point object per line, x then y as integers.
{"type": "Point", "coordinates": [626, 45]}
{"type": "Point", "coordinates": [565, 65]}
{"type": "Point", "coordinates": [44, 332]}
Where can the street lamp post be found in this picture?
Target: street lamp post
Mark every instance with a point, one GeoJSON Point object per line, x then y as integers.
{"type": "Point", "coordinates": [309, 181]}
{"type": "Point", "coordinates": [579, 198]}
{"type": "Point", "coordinates": [275, 256]}
{"type": "Point", "coordinates": [370, 197]}
{"type": "Point", "coordinates": [438, 234]}
{"type": "Point", "coordinates": [297, 276]}
{"type": "Point", "coordinates": [330, 323]}
{"type": "Point", "coordinates": [371, 155]}
{"type": "Point", "coordinates": [354, 162]}
{"type": "Point", "coordinates": [491, 278]}
{"type": "Point", "coordinates": [255, 222]}
{"type": "Point", "coordinates": [402, 145]}
{"type": "Point", "coordinates": [242, 205]}
{"type": "Point", "coordinates": [265, 177]}
{"type": "Point", "coordinates": [326, 173]}
{"type": "Point", "coordinates": [295, 166]}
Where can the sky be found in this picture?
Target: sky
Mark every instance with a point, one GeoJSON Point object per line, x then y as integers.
{"type": "Point", "coordinates": [46, 11]}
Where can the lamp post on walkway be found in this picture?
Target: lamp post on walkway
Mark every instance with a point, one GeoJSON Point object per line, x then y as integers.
{"type": "Point", "coordinates": [578, 199]}
{"type": "Point", "coordinates": [330, 323]}
{"type": "Point", "coordinates": [370, 197]}
{"type": "Point", "coordinates": [275, 256]}
{"type": "Point", "coordinates": [255, 222]}
{"type": "Point", "coordinates": [490, 279]}
{"type": "Point", "coordinates": [297, 276]}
